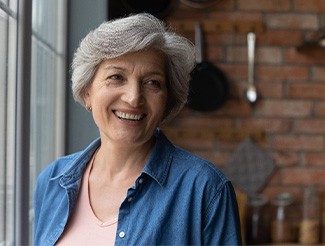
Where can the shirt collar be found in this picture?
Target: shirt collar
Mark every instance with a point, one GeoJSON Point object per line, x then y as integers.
{"type": "Point", "coordinates": [157, 166]}
{"type": "Point", "coordinates": [160, 159]}
{"type": "Point", "coordinates": [76, 166]}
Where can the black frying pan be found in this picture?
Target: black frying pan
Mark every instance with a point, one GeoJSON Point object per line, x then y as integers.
{"type": "Point", "coordinates": [158, 8]}
{"type": "Point", "coordinates": [208, 84]}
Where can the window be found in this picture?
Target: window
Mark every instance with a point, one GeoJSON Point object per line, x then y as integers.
{"type": "Point", "coordinates": [8, 52]}
{"type": "Point", "coordinates": [47, 86]}
{"type": "Point", "coordinates": [47, 101]}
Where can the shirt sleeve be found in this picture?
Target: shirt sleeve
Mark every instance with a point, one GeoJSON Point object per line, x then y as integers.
{"type": "Point", "coordinates": [39, 194]}
{"type": "Point", "coordinates": [222, 223]}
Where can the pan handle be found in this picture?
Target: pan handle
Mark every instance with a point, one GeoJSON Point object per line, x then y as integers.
{"type": "Point", "coordinates": [198, 43]}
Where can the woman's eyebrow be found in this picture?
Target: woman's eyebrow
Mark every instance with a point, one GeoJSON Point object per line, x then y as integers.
{"type": "Point", "coordinates": [112, 67]}
{"type": "Point", "coordinates": [158, 73]}
{"type": "Point", "coordinates": [153, 72]}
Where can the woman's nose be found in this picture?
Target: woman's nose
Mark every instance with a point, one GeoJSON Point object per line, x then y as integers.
{"type": "Point", "coordinates": [133, 94]}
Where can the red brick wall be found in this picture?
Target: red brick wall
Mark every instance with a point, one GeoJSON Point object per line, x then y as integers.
{"type": "Point", "coordinates": [291, 110]}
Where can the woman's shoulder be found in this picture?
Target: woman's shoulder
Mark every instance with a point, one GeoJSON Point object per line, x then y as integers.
{"type": "Point", "coordinates": [195, 165]}
{"type": "Point", "coordinates": [58, 166]}
{"type": "Point", "coordinates": [65, 163]}
{"type": "Point", "coordinates": [186, 164]}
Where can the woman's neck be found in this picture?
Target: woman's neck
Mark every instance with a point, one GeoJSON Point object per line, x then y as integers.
{"type": "Point", "coordinates": [116, 163]}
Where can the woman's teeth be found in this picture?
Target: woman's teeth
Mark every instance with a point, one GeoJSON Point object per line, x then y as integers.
{"type": "Point", "coordinates": [127, 116]}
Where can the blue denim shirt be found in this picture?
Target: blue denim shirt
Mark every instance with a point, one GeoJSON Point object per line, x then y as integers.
{"type": "Point", "coordinates": [179, 199]}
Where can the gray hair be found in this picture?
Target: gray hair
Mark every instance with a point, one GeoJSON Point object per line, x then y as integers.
{"type": "Point", "coordinates": [130, 34]}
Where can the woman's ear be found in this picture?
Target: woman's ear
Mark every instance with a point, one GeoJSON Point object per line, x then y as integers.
{"type": "Point", "coordinates": [87, 100]}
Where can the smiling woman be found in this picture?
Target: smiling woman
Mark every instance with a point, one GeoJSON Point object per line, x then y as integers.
{"type": "Point", "coordinates": [128, 97]}
{"type": "Point", "coordinates": [132, 186]}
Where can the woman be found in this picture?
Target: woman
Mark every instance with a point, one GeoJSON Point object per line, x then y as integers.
{"type": "Point", "coordinates": [131, 186]}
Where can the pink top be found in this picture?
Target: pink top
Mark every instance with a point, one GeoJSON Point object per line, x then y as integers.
{"type": "Point", "coordinates": [83, 227]}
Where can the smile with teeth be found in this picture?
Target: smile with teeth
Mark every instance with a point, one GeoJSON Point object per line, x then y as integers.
{"type": "Point", "coordinates": [127, 116]}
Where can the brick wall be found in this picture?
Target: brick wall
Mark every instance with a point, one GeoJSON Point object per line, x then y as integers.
{"type": "Point", "coordinates": [291, 111]}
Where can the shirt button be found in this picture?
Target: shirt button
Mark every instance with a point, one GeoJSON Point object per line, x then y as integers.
{"type": "Point", "coordinates": [121, 234]}
{"type": "Point", "coordinates": [130, 199]}
{"type": "Point", "coordinates": [141, 181]}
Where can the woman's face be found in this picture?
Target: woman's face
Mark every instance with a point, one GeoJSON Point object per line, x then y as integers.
{"type": "Point", "coordinates": [128, 96]}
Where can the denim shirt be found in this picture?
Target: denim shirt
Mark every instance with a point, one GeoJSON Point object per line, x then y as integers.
{"type": "Point", "coordinates": [179, 199]}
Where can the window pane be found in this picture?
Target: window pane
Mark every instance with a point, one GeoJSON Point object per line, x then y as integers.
{"type": "Point", "coordinates": [47, 99]}
{"type": "Point", "coordinates": [48, 83]}
{"type": "Point", "coordinates": [8, 38]}
{"type": "Point", "coordinates": [3, 89]}
{"type": "Point", "coordinates": [47, 86]}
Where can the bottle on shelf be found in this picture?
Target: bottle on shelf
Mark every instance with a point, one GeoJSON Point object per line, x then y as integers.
{"type": "Point", "coordinates": [282, 228]}
{"type": "Point", "coordinates": [257, 220]}
{"type": "Point", "coordinates": [309, 229]}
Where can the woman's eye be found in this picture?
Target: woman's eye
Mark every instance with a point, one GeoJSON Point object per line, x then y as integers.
{"type": "Point", "coordinates": [115, 77]}
{"type": "Point", "coordinates": [154, 83]}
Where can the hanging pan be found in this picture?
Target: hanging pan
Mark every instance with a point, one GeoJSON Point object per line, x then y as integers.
{"type": "Point", "coordinates": [208, 84]}
{"type": "Point", "coordinates": [158, 8]}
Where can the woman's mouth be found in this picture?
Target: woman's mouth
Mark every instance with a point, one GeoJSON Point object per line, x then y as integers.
{"type": "Point", "coordinates": [128, 116]}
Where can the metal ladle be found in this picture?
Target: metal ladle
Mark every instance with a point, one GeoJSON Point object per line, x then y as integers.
{"type": "Point", "coordinates": [251, 92]}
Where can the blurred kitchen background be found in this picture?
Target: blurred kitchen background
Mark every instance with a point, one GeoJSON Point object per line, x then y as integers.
{"type": "Point", "coordinates": [286, 124]}
{"type": "Point", "coordinates": [273, 150]}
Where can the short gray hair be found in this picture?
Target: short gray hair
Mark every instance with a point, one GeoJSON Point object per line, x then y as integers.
{"type": "Point", "coordinates": [130, 34]}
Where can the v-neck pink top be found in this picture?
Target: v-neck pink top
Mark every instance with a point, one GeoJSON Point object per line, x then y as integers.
{"type": "Point", "coordinates": [83, 227]}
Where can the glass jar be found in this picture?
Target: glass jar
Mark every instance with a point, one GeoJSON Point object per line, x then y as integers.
{"type": "Point", "coordinates": [282, 230]}
{"type": "Point", "coordinates": [257, 221]}
{"type": "Point", "coordinates": [309, 228]}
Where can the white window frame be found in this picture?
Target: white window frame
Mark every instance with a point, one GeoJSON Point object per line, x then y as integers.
{"type": "Point", "coordinates": [16, 148]}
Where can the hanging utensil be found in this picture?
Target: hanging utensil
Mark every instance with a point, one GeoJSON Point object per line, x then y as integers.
{"type": "Point", "coordinates": [250, 168]}
{"type": "Point", "coordinates": [208, 85]}
{"type": "Point", "coordinates": [251, 92]}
